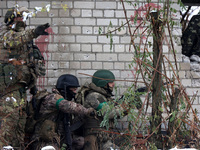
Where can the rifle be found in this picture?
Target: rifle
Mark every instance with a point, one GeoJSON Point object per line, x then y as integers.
{"type": "Point", "coordinates": [136, 97]}
{"type": "Point", "coordinates": [68, 139]}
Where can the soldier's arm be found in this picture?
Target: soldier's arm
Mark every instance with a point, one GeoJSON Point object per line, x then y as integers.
{"type": "Point", "coordinates": [13, 39]}
{"type": "Point", "coordinates": [71, 107]}
{"type": "Point", "coordinates": [97, 101]}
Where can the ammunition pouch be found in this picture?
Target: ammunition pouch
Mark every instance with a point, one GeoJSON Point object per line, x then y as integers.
{"type": "Point", "coordinates": [11, 75]}
{"type": "Point", "coordinates": [48, 130]}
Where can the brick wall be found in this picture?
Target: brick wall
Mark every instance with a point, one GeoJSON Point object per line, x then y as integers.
{"type": "Point", "coordinates": [74, 45]}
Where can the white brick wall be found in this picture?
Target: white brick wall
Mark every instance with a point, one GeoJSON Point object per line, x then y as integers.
{"type": "Point", "coordinates": [75, 45]}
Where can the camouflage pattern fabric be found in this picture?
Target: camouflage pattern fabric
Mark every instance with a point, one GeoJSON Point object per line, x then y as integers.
{"type": "Point", "coordinates": [95, 137]}
{"type": "Point", "coordinates": [51, 131]}
{"type": "Point", "coordinates": [14, 51]}
{"type": "Point", "coordinates": [191, 37]}
{"type": "Point", "coordinates": [13, 117]}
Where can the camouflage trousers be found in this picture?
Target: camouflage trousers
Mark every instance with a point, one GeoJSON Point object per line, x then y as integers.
{"type": "Point", "coordinates": [99, 141]}
{"type": "Point", "coordinates": [12, 119]}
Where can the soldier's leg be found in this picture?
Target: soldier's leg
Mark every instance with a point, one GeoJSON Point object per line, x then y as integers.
{"type": "Point", "coordinates": [8, 128]}
{"type": "Point", "coordinates": [90, 143]}
{"type": "Point", "coordinates": [109, 145]}
{"type": "Point", "coordinates": [13, 117]}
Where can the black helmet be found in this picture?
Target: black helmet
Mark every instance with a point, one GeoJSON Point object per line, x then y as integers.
{"type": "Point", "coordinates": [13, 13]}
{"type": "Point", "coordinates": [67, 80]}
{"type": "Point", "coordinates": [9, 17]}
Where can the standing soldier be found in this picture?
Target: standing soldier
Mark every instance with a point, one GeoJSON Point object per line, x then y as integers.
{"type": "Point", "coordinates": [52, 115]}
{"type": "Point", "coordinates": [20, 64]}
{"type": "Point", "coordinates": [97, 94]}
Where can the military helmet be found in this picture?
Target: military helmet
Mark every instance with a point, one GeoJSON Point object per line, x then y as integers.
{"type": "Point", "coordinates": [67, 80]}
{"type": "Point", "coordinates": [13, 13]}
{"type": "Point", "coordinates": [102, 77]}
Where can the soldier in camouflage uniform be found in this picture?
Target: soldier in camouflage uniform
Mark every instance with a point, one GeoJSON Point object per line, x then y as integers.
{"type": "Point", "coordinates": [190, 39]}
{"type": "Point", "coordinates": [53, 127]}
{"type": "Point", "coordinates": [19, 69]}
{"type": "Point", "coordinates": [97, 94]}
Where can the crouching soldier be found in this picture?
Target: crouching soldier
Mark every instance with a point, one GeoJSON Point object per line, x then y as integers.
{"type": "Point", "coordinates": [53, 115]}
{"type": "Point", "coordinates": [95, 95]}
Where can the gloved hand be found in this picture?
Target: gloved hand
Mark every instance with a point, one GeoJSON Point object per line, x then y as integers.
{"type": "Point", "coordinates": [91, 112]}
{"type": "Point", "coordinates": [40, 30]}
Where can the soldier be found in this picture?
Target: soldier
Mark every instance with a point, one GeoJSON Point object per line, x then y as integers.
{"type": "Point", "coordinates": [53, 115]}
{"type": "Point", "coordinates": [20, 64]}
{"type": "Point", "coordinates": [190, 39]}
{"type": "Point", "coordinates": [97, 94]}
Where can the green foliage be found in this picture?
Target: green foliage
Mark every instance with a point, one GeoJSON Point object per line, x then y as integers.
{"type": "Point", "coordinates": [173, 116]}
{"type": "Point", "coordinates": [152, 146]}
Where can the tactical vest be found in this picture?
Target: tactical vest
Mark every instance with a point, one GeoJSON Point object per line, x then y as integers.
{"type": "Point", "coordinates": [21, 65]}
{"type": "Point", "coordinates": [80, 98]}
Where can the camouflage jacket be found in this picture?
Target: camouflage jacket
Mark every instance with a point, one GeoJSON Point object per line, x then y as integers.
{"type": "Point", "coordinates": [94, 98]}
{"type": "Point", "coordinates": [50, 109]}
{"type": "Point", "coordinates": [13, 40]}
{"type": "Point", "coordinates": [16, 53]}
{"type": "Point", "coordinates": [190, 39]}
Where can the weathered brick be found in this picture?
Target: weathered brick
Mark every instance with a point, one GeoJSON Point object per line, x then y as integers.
{"type": "Point", "coordinates": [89, 72]}
{"type": "Point", "coordinates": [62, 56]}
{"type": "Point", "coordinates": [128, 6]}
{"type": "Point", "coordinates": [119, 13]}
{"type": "Point", "coordinates": [86, 39]}
{"type": "Point", "coordinates": [97, 65]}
{"type": "Point", "coordinates": [75, 12]}
{"type": "Point", "coordinates": [52, 64]}
{"type": "Point", "coordinates": [86, 48]}
{"type": "Point", "coordinates": [53, 13]}
{"type": "Point", "coordinates": [86, 65]}
{"type": "Point", "coordinates": [84, 21]}
{"type": "Point", "coordinates": [185, 66]}
{"type": "Point", "coordinates": [86, 13]}
{"type": "Point", "coordinates": [104, 39]}
{"type": "Point", "coordinates": [64, 38]}
{"type": "Point", "coordinates": [75, 47]}
{"type": "Point", "coordinates": [11, 4]}
{"type": "Point", "coordinates": [87, 30]}
{"type": "Point", "coordinates": [97, 13]}
{"type": "Point", "coordinates": [33, 4]}
{"type": "Point", "coordinates": [108, 13]}
{"type": "Point", "coordinates": [64, 30]}
{"type": "Point", "coordinates": [106, 22]}
{"type": "Point", "coordinates": [63, 64]}
{"type": "Point", "coordinates": [119, 65]}
{"type": "Point", "coordinates": [106, 57]}
{"type": "Point", "coordinates": [108, 48]}
{"type": "Point", "coordinates": [105, 5]}
{"type": "Point", "coordinates": [39, 21]}
{"type": "Point", "coordinates": [75, 30]}
{"type": "Point", "coordinates": [74, 65]}
{"type": "Point", "coordinates": [84, 56]}
{"type": "Point", "coordinates": [81, 4]}
{"type": "Point", "coordinates": [97, 48]}
{"type": "Point", "coordinates": [4, 5]}
{"type": "Point", "coordinates": [108, 65]}
{"type": "Point", "coordinates": [119, 48]}
{"type": "Point", "coordinates": [64, 13]}
{"type": "Point", "coordinates": [62, 4]}
{"type": "Point", "coordinates": [186, 82]}
{"type": "Point", "coordinates": [62, 21]}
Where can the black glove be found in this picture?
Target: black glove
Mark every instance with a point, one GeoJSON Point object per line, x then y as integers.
{"type": "Point", "coordinates": [40, 30]}
{"type": "Point", "coordinates": [142, 89]}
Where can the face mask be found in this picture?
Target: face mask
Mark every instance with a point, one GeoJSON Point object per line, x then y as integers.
{"type": "Point", "coordinates": [19, 25]}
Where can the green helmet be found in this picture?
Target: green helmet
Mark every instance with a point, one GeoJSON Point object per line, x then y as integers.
{"type": "Point", "coordinates": [102, 77]}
